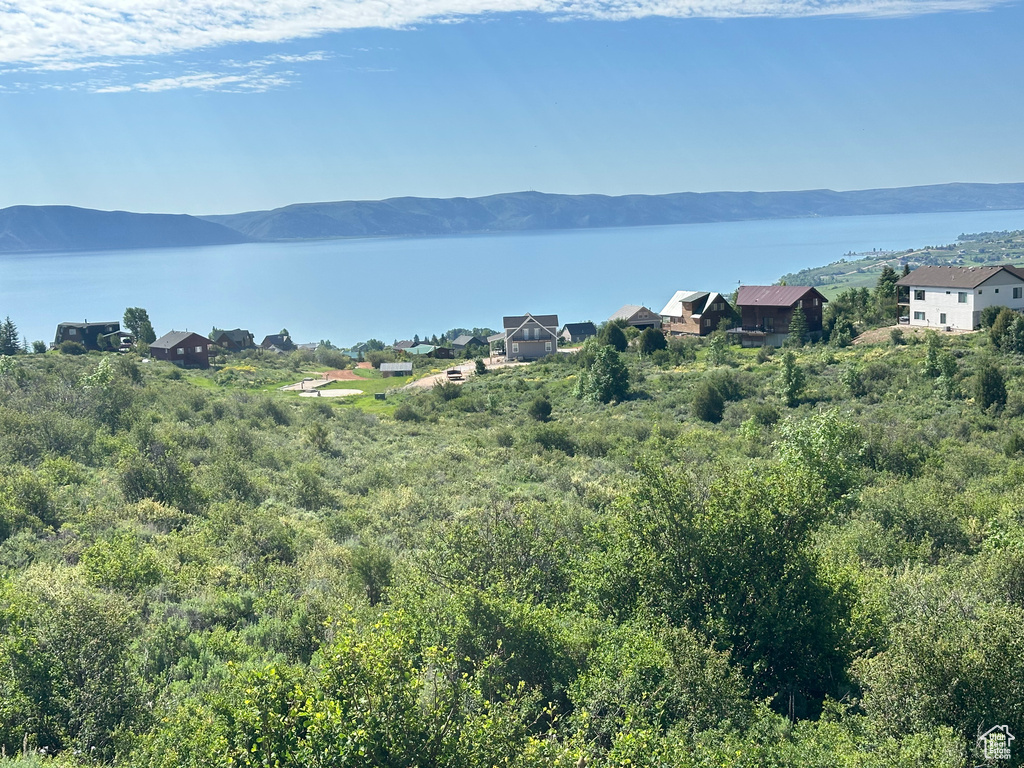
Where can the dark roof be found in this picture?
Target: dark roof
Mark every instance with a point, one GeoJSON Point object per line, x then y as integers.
{"type": "Point", "coordinates": [237, 335]}
{"type": "Point", "coordinates": [956, 277]}
{"type": "Point", "coordinates": [514, 321]}
{"type": "Point", "coordinates": [465, 339]}
{"type": "Point", "coordinates": [174, 338]}
{"type": "Point", "coordinates": [407, 344]}
{"type": "Point", "coordinates": [773, 295]}
{"type": "Point", "coordinates": [580, 328]}
{"type": "Point", "coordinates": [91, 325]}
{"type": "Point", "coordinates": [276, 340]}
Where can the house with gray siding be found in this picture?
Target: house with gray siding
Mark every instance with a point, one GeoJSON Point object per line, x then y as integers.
{"type": "Point", "coordinates": [530, 337]}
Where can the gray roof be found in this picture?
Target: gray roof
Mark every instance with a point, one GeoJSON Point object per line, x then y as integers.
{"type": "Point", "coordinates": [91, 325]}
{"type": "Point", "coordinates": [626, 312]}
{"type": "Point", "coordinates": [578, 328]}
{"type": "Point", "coordinates": [500, 336]}
{"type": "Point", "coordinates": [237, 335]}
{"type": "Point", "coordinates": [465, 339]}
{"type": "Point", "coordinates": [956, 277]}
{"type": "Point", "coordinates": [773, 295]}
{"type": "Point", "coordinates": [174, 338]}
{"type": "Point", "coordinates": [396, 367]}
{"type": "Point", "coordinates": [515, 321]}
{"type": "Point", "coordinates": [403, 344]}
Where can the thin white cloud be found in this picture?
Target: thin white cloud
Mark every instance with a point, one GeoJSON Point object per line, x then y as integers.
{"type": "Point", "coordinates": [60, 33]}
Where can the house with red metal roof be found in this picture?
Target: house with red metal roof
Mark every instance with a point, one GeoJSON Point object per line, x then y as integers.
{"type": "Point", "coordinates": [767, 310]}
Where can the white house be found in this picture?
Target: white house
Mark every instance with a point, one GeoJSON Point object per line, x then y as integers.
{"type": "Point", "coordinates": [953, 297]}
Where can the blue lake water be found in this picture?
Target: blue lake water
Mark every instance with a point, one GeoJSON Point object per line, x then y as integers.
{"type": "Point", "coordinates": [388, 288]}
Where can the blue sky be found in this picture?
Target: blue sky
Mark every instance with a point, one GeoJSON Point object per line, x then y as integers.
{"type": "Point", "coordinates": [209, 106]}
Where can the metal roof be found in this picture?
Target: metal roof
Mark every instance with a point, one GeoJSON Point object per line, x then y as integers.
{"type": "Point", "coordinates": [627, 312]}
{"type": "Point", "coordinates": [90, 325]}
{"type": "Point", "coordinates": [674, 308]}
{"type": "Point", "coordinates": [773, 295]}
{"type": "Point", "coordinates": [956, 277]}
{"type": "Point", "coordinates": [465, 339]}
{"type": "Point", "coordinates": [421, 349]}
{"type": "Point", "coordinates": [395, 367]}
{"type": "Point", "coordinates": [575, 328]}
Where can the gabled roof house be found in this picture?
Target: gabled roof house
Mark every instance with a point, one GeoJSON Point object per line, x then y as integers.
{"type": "Point", "coordinates": [953, 297]}
{"type": "Point", "coordinates": [695, 312]}
{"type": "Point", "coordinates": [636, 316]}
{"type": "Point", "coordinates": [189, 350]}
{"type": "Point", "coordinates": [235, 339]}
{"type": "Point", "coordinates": [85, 333]}
{"type": "Point", "coordinates": [530, 337]}
{"type": "Point", "coordinates": [766, 311]}
{"type": "Point", "coordinates": [574, 333]}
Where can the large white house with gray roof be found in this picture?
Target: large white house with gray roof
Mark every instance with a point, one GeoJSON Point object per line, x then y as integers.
{"type": "Point", "coordinates": [953, 297]}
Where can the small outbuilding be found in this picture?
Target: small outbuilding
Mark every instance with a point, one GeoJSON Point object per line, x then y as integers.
{"type": "Point", "coordinates": [387, 370]}
{"type": "Point", "coordinates": [189, 350]}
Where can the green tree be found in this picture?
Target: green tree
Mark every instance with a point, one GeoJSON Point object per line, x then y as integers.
{"type": "Point", "coordinates": [39, 347]}
{"type": "Point", "coordinates": [708, 403]}
{"type": "Point", "coordinates": [989, 387]}
{"type": "Point", "coordinates": [885, 288]}
{"type": "Point", "coordinates": [798, 333]}
{"type": "Point", "coordinates": [136, 320]}
{"type": "Point", "coordinates": [1001, 326]}
{"type": "Point", "coordinates": [651, 340]}
{"type": "Point", "coordinates": [540, 409]}
{"type": "Point", "coordinates": [791, 379]}
{"type": "Point", "coordinates": [9, 341]}
{"type": "Point", "coordinates": [718, 348]}
{"type": "Point", "coordinates": [480, 367]}
{"type": "Point", "coordinates": [606, 380]}
{"type": "Point", "coordinates": [615, 338]}
{"type": "Point", "coordinates": [948, 370]}
{"type": "Point", "coordinates": [931, 360]}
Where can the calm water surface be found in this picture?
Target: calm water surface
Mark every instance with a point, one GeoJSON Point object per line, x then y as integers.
{"type": "Point", "coordinates": [350, 290]}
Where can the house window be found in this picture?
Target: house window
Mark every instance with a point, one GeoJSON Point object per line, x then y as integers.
{"type": "Point", "coordinates": [547, 346]}
{"type": "Point", "coordinates": [942, 318]}
{"type": "Point", "coordinates": [918, 295]}
{"type": "Point", "coordinates": [707, 322]}
{"type": "Point", "coordinates": [1017, 293]}
{"type": "Point", "coordinates": [979, 291]}
{"type": "Point", "coordinates": [515, 347]}
{"type": "Point", "coordinates": [181, 350]}
{"type": "Point", "coordinates": [919, 315]}
{"type": "Point", "coordinates": [816, 302]}
{"type": "Point", "coordinates": [962, 297]}
{"type": "Point", "coordinates": [997, 291]}
{"type": "Point", "coordinates": [72, 331]}
{"type": "Point", "coordinates": [199, 349]}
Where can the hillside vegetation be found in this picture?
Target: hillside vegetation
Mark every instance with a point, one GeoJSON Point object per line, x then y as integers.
{"type": "Point", "coordinates": [703, 556]}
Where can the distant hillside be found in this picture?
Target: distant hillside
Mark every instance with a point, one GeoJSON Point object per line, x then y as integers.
{"type": "Point", "coordinates": [64, 228]}
{"type": "Point", "coordinates": [519, 211]}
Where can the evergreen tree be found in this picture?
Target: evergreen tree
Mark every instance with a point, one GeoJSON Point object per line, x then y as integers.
{"type": "Point", "coordinates": [931, 360]}
{"type": "Point", "coordinates": [989, 387]}
{"type": "Point", "coordinates": [798, 333]}
{"type": "Point", "coordinates": [651, 340]}
{"type": "Point", "coordinates": [885, 288]}
{"type": "Point", "coordinates": [708, 403]}
{"type": "Point", "coordinates": [9, 343]}
{"type": "Point", "coordinates": [906, 270]}
{"type": "Point", "coordinates": [615, 338]}
{"type": "Point", "coordinates": [791, 380]}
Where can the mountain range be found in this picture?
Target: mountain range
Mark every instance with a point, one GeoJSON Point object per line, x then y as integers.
{"type": "Point", "coordinates": [62, 228]}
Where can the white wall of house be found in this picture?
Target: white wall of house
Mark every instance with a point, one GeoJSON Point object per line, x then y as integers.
{"type": "Point", "coordinates": [961, 307]}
